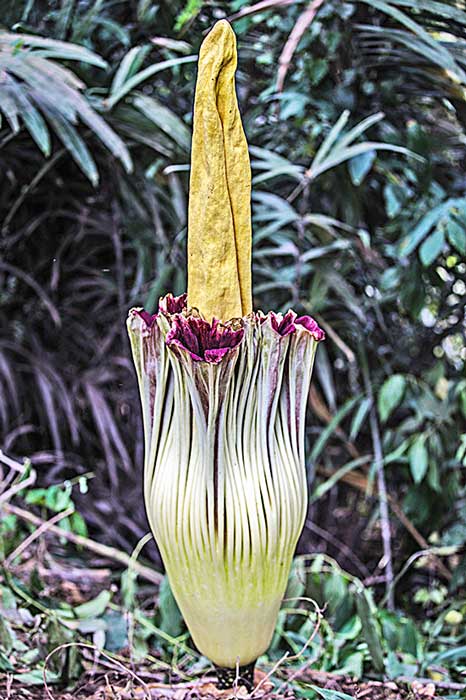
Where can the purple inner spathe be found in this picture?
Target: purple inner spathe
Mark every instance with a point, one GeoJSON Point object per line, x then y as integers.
{"type": "Point", "coordinates": [173, 305]}
{"type": "Point", "coordinates": [202, 340]}
{"type": "Point", "coordinates": [283, 324]}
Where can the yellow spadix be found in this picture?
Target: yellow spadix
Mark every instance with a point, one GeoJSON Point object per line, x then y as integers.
{"type": "Point", "coordinates": [219, 222]}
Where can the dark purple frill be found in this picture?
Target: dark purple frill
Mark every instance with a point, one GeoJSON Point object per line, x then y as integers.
{"type": "Point", "coordinates": [167, 305]}
{"type": "Point", "coordinates": [312, 326]}
{"type": "Point", "coordinates": [286, 324]}
{"type": "Point", "coordinates": [283, 325]}
{"type": "Point", "coordinates": [204, 341]}
{"type": "Point", "coordinates": [209, 342]}
{"type": "Point", "coordinates": [173, 305]}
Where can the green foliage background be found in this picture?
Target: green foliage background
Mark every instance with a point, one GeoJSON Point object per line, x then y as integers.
{"type": "Point", "coordinates": [359, 219]}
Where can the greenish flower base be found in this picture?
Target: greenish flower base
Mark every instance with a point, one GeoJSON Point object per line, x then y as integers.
{"type": "Point", "coordinates": [230, 677]}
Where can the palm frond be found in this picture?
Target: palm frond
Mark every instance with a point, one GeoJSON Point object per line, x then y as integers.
{"type": "Point", "coordinates": [338, 148]}
{"type": "Point", "coordinates": [424, 36]}
{"type": "Point", "coordinates": [40, 93]}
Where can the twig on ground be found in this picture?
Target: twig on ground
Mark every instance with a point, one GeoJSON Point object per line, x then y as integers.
{"type": "Point", "coordinates": [446, 685]}
{"type": "Point", "coordinates": [46, 525]}
{"type": "Point", "coordinates": [286, 656]}
{"type": "Point", "coordinates": [13, 464]}
{"type": "Point", "coordinates": [120, 666]}
{"type": "Point", "coordinates": [19, 486]}
{"type": "Point", "coordinates": [102, 550]}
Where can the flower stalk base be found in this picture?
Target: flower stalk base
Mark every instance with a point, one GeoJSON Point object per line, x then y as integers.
{"type": "Point", "coordinates": [230, 677]}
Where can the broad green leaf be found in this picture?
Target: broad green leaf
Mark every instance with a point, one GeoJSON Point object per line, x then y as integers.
{"type": "Point", "coordinates": [166, 42]}
{"type": "Point", "coordinates": [352, 666]}
{"type": "Point", "coordinates": [36, 677]}
{"type": "Point", "coordinates": [55, 91]}
{"type": "Point", "coordinates": [119, 32]}
{"type": "Point", "coordinates": [439, 8]}
{"type": "Point", "coordinates": [326, 380]}
{"type": "Point", "coordinates": [432, 246]}
{"type": "Point", "coordinates": [335, 589]}
{"type": "Point", "coordinates": [171, 619]}
{"type": "Point", "coordinates": [57, 49]}
{"type": "Point", "coordinates": [451, 656]}
{"type": "Point", "coordinates": [330, 694]}
{"type": "Point", "coordinates": [296, 585]}
{"type": "Point", "coordinates": [396, 668]}
{"type": "Point", "coordinates": [331, 137]}
{"type": "Point", "coordinates": [390, 395]}
{"type": "Point", "coordinates": [9, 108]}
{"type": "Point", "coordinates": [5, 664]}
{"type": "Point", "coordinates": [359, 417]}
{"type": "Point", "coordinates": [327, 223]}
{"type": "Point", "coordinates": [456, 234]}
{"type": "Point", "coordinates": [129, 65]}
{"type": "Point", "coordinates": [7, 636]}
{"type": "Point", "coordinates": [116, 631]}
{"type": "Point", "coordinates": [358, 130]}
{"type": "Point", "coordinates": [340, 156]}
{"type": "Point", "coordinates": [321, 251]}
{"type": "Point", "coordinates": [418, 459]}
{"type": "Point", "coordinates": [393, 200]}
{"type": "Point", "coordinates": [292, 171]}
{"type": "Point", "coordinates": [28, 112]}
{"type": "Point", "coordinates": [95, 607]}
{"type": "Point", "coordinates": [430, 47]}
{"type": "Point", "coordinates": [37, 128]}
{"type": "Point", "coordinates": [164, 118]}
{"type": "Point", "coordinates": [409, 639]}
{"type": "Point", "coordinates": [359, 166]}
{"type": "Point", "coordinates": [426, 223]}
{"type": "Point", "coordinates": [370, 626]}
{"type": "Point", "coordinates": [351, 629]}
{"type": "Point", "coordinates": [75, 145]}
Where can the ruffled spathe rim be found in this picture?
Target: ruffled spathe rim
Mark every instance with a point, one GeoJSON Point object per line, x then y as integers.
{"type": "Point", "coordinates": [210, 342]}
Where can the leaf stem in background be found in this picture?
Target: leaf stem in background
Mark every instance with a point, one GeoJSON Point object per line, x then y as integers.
{"type": "Point", "coordinates": [382, 486]}
{"type": "Point", "coordinates": [301, 24]}
{"type": "Point", "coordinates": [48, 165]}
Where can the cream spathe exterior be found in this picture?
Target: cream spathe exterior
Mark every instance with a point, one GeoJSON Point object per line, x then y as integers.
{"type": "Point", "coordinates": [225, 481]}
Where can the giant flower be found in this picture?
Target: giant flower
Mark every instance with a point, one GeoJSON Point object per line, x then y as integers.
{"type": "Point", "coordinates": [224, 392]}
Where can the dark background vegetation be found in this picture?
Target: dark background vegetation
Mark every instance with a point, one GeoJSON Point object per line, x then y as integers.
{"type": "Point", "coordinates": [359, 219]}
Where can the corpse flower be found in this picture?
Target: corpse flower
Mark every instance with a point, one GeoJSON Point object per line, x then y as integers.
{"type": "Point", "coordinates": [224, 392]}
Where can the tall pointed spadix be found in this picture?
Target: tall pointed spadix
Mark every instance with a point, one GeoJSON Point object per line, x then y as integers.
{"type": "Point", "coordinates": [219, 222]}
